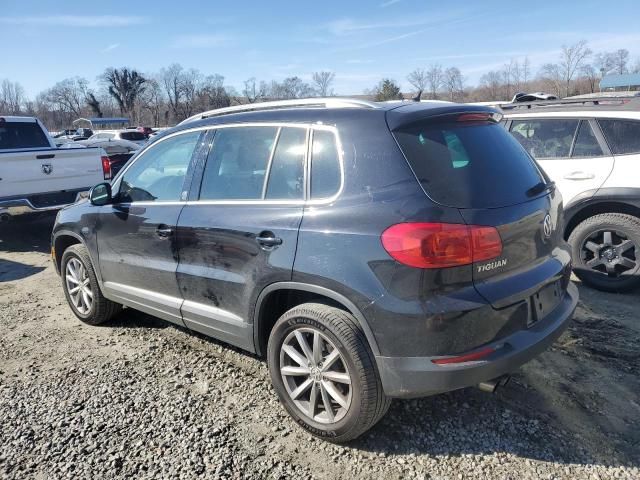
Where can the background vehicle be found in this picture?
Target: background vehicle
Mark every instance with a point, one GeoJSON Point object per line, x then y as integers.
{"type": "Point", "coordinates": [35, 175]}
{"type": "Point", "coordinates": [126, 134]}
{"type": "Point", "coordinates": [368, 250]}
{"type": "Point", "coordinates": [591, 148]}
{"type": "Point", "coordinates": [118, 151]}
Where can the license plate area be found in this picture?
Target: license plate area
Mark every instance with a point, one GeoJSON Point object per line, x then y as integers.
{"type": "Point", "coordinates": [544, 302]}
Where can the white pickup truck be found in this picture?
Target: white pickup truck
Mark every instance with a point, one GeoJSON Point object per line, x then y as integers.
{"type": "Point", "coordinates": [36, 176]}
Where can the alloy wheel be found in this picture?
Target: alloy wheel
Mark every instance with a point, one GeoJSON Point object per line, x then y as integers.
{"type": "Point", "coordinates": [610, 252]}
{"type": "Point", "coordinates": [315, 375]}
{"type": "Point", "coordinates": [79, 286]}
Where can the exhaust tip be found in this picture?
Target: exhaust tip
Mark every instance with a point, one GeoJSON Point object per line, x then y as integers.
{"type": "Point", "coordinates": [490, 386]}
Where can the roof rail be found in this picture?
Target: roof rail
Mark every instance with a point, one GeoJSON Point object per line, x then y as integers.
{"type": "Point", "coordinates": [331, 102]}
{"type": "Point", "coordinates": [607, 101]}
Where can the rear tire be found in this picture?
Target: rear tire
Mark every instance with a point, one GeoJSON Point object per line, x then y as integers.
{"type": "Point", "coordinates": [81, 287]}
{"type": "Point", "coordinates": [606, 252]}
{"type": "Point", "coordinates": [324, 373]}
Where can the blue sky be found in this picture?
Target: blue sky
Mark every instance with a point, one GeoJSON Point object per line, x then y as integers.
{"type": "Point", "coordinates": [361, 41]}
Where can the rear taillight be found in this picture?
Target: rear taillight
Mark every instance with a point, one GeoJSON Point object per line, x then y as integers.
{"type": "Point", "coordinates": [441, 245]}
{"type": "Point", "coordinates": [106, 167]}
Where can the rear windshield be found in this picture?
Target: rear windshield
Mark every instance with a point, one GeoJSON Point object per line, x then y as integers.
{"type": "Point", "coordinates": [469, 165]}
{"type": "Point", "coordinates": [133, 136]}
{"type": "Point", "coordinates": [22, 135]}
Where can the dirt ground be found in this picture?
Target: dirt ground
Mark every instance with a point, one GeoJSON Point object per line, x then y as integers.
{"type": "Point", "coordinates": [574, 412]}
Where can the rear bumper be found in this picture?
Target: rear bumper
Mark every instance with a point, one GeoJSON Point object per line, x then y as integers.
{"type": "Point", "coordinates": [15, 206]}
{"type": "Point", "coordinates": [408, 377]}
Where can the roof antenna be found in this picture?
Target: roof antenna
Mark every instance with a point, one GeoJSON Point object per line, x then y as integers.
{"type": "Point", "coordinates": [417, 97]}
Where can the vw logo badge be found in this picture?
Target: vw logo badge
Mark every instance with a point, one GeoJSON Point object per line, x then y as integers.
{"type": "Point", "coordinates": [547, 226]}
{"type": "Point", "coordinates": [47, 168]}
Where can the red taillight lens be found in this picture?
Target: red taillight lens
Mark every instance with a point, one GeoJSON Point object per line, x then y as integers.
{"type": "Point", "coordinates": [106, 167]}
{"type": "Point", "coordinates": [440, 245]}
{"type": "Point", "coordinates": [469, 357]}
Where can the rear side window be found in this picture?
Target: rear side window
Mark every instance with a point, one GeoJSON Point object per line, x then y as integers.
{"type": "Point", "coordinates": [325, 165]}
{"type": "Point", "coordinates": [545, 138]}
{"type": "Point", "coordinates": [22, 135]}
{"type": "Point", "coordinates": [133, 136]}
{"type": "Point", "coordinates": [237, 163]}
{"type": "Point", "coordinates": [586, 142]}
{"type": "Point", "coordinates": [469, 165]}
{"type": "Point", "coordinates": [623, 136]}
{"type": "Point", "coordinates": [286, 174]}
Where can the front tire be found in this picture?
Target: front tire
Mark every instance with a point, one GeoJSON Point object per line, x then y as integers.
{"type": "Point", "coordinates": [606, 251]}
{"type": "Point", "coordinates": [324, 373]}
{"type": "Point", "coordinates": [81, 287]}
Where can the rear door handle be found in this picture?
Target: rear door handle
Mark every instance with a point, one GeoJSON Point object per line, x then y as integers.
{"type": "Point", "coordinates": [46, 157]}
{"type": "Point", "coordinates": [164, 231]}
{"type": "Point", "coordinates": [579, 176]}
{"type": "Point", "coordinates": [268, 239]}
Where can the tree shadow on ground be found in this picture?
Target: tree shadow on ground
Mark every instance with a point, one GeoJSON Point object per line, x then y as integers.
{"type": "Point", "coordinates": [10, 270]}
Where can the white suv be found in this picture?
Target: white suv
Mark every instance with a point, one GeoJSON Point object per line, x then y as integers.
{"type": "Point", "coordinates": [591, 150]}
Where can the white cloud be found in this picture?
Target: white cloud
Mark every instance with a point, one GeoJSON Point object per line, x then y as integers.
{"type": "Point", "coordinates": [389, 3]}
{"type": "Point", "coordinates": [113, 46]}
{"type": "Point", "coordinates": [203, 40]}
{"type": "Point", "coordinates": [90, 21]}
{"type": "Point", "coordinates": [348, 26]}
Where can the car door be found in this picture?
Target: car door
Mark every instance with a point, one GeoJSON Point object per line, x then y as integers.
{"type": "Point", "coordinates": [569, 150]}
{"type": "Point", "coordinates": [623, 137]}
{"type": "Point", "coordinates": [136, 234]}
{"type": "Point", "coordinates": [239, 232]}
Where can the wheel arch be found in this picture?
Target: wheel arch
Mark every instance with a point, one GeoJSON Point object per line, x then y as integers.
{"type": "Point", "coordinates": [61, 241]}
{"type": "Point", "coordinates": [607, 200]}
{"type": "Point", "coordinates": [279, 297]}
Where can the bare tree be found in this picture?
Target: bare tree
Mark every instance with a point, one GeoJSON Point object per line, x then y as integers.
{"type": "Point", "coordinates": [125, 86]}
{"type": "Point", "coordinates": [453, 82]}
{"type": "Point", "coordinates": [152, 100]}
{"type": "Point", "coordinates": [94, 104]}
{"type": "Point", "coordinates": [290, 87]}
{"type": "Point", "coordinates": [620, 60]}
{"type": "Point", "coordinates": [526, 72]}
{"type": "Point", "coordinates": [636, 66]}
{"type": "Point", "coordinates": [572, 59]}
{"type": "Point", "coordinates": [590, 74]}
{"type": "Point", "coordinates": [11, 97]}
{"type": "Point", "coordinates": [435, 77]}
{"type": "Point", "coordinates": [213, 93]}
{"type": "Point", "coordinates": [418, 79]}
{"type": "Point", "coordinates": [322, 83]}
{"type": "Point", "coordinates": [253, 91]}
{"type": "Point", "coordinates": [171, 78]}
{"type": "Point", "coordinates": [551, 77]}
{"type": "Point", "coordinates": [491, 83]}
{"type": "Point", "coordinates": [69, 95]}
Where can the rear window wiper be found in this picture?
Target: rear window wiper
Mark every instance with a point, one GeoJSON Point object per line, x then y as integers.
{"type": "Point", "coordinates": [540, 187]}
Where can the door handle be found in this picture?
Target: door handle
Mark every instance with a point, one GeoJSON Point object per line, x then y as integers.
{"type": "Point", "coordinates": [579, 176]}
{"type": "Point", "coordinates": [45, 157]}
{"type": "Point", "coordinates": [268, 239]}
{"type": "Point", "coordinates": [164, 231]}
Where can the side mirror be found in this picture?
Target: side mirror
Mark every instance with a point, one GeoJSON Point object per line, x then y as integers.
{"type": "Point", "coordinates": [100, 194]}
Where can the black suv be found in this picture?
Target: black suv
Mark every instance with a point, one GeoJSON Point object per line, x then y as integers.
{"type": "Point", "coordinates": [369, 251]}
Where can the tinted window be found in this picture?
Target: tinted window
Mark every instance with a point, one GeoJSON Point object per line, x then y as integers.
{"type": "Point", "coordinates": [325, 165]}
{"type": "Point", "coordinates": [133, 136]}
{"type": "Point", "coordinates": [545, 138]}
{"type": "Point", "coordinates": [22, 135]}
{"type": "Point", "coordinates": [159, 173]}
{"type": "Point", "coordinates": [286, 176]}
{"type": "Point", "coordinates": [476, 165]}
{"type": "Point", "coordinates": [623, 136]}
{"type": "Point", "coordinates": [237, 163]}
{"type": "Point", "coordinates": [586, 143]}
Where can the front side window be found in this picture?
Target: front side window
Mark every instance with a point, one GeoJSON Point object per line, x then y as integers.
{"type": "Point", "coordinates": [325, 165]}
{"type": "Point", "coordinates": [586, 142]}
{"type": "Point", "coordinates": [237, 163]}
{"type": "Point", "coordinates": [623, 136]}
{"type": "Point", "coordinates": [548, 138]}
{"type": "Point", "coordinates": [158, 175]}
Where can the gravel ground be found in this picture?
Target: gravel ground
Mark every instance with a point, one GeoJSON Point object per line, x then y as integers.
{"type": "Point", "coordinates": [141, 398]}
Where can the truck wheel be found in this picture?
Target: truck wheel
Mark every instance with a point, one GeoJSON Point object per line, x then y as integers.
{"type": "Point", "coordinates": [606, 251]}
{"type": "Point", "coordinates": [324, 373]}
{"type": "Point", "coordinates": [81, 288]}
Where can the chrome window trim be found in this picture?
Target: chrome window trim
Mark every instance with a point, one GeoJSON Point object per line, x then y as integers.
{"type": "Point", "coordinates": [310, 126]}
